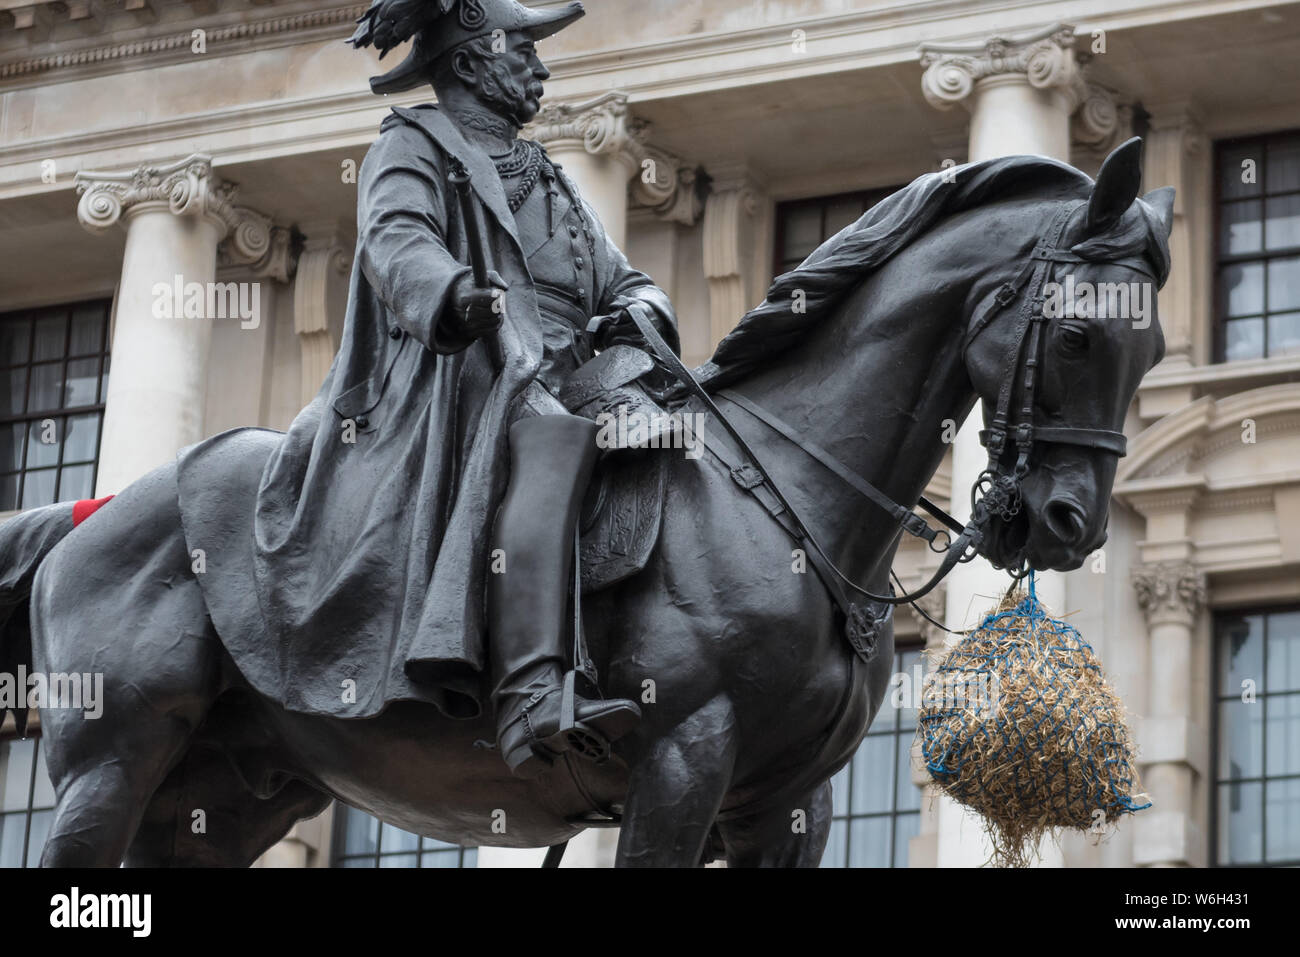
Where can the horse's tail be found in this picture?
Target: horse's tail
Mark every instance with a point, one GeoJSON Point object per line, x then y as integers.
{"type": "Point", "coordinates": [25, 541]}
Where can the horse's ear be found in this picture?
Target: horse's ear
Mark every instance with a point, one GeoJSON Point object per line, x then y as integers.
{"type": "Point", "coordinates": [1116, 187]}
{"type": "Point", "coordinates": [1162, 201]}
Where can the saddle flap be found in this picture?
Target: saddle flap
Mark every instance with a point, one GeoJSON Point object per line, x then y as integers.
{"type": "Point", "coordinates": [622, 518]}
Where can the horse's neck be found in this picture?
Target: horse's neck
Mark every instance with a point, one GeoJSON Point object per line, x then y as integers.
{"type": "Point", "coordinates": [879, 385]}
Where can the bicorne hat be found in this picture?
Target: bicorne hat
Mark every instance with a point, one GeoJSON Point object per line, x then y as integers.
{"type": "Point", "coordinates": [440, 25]}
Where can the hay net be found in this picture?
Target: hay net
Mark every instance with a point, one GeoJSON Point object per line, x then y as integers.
{"type": "Point", "coordinates": [1018, 723]}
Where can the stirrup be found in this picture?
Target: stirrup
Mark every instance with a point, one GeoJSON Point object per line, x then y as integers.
{"type": "Point", "coordinates": [581, 739]}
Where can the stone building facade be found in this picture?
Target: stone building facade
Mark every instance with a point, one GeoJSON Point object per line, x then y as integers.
{"type": "Point", "coordinates": [219, 141]}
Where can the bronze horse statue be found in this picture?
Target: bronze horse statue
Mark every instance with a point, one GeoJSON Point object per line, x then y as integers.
{"type": "Point", "coordinates": [932, 301]}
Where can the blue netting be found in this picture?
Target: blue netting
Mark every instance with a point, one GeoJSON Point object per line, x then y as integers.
{"type": "Point", "coordinates": [1033, 738]}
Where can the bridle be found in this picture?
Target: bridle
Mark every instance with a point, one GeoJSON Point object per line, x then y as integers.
{"type": "Point", "coordinates": [997, 490]}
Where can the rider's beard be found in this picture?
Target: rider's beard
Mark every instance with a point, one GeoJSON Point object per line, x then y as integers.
{"type": "Point", "coordinates": [504, 96]}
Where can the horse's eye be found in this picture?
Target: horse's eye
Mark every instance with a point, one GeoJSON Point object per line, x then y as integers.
{"type": "Point", "coordinates": [1073, 339]}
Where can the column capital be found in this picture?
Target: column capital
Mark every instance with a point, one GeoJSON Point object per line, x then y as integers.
{"type": "Point", "coordinates": [605, 126]}
{"type": "Point", "coordinates": [188, 187]}
{"type": "Point", "coordinates": [1170, 591]}
{"type": "Point", "coordinates": [1045, 60]}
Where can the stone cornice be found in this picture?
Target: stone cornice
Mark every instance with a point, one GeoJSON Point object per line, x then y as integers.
{"type": "Point", "coordinates": [1045, 59]}
{"type": "Point", "coordinates": [605, 126]}
{"type": "Point", "coordinates": [188, 187]}
{"type": "Point", "coordinates": [175, 40]}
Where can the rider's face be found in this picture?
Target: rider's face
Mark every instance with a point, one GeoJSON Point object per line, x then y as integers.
{"type": "Point", "coordinates": [510, 80]}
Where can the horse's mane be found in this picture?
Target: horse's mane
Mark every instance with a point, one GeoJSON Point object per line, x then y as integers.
{"type": "Point", "coordinates": [842, 262]}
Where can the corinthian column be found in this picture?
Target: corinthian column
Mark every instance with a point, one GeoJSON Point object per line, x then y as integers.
{"type": "Point", "coordinates": [175, 216]}
{"type": "Point", "coordinates": [1020, 93]}
{"type": "Point", "coordinates": [1171, 595]}
{"type": "Point", "coordinates": [603, 148]}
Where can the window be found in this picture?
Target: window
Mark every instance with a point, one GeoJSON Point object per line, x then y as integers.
{"type": "Point", "coordinates": [803, 225]}
{"type": "Point", "coordinates": [53, 378]}
{"type": "Point", "coordinates": [364, 841]}
{"type": "Point", "coordinates": [26, 802]}
{"type": "Point", "coordinates": [1257, 730]}
{"type": "Point", "coordinates": [1258, 247]}
{"type": "Point", "coordinates": [877, 808]}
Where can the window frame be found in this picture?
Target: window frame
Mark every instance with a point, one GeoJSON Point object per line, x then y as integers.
{"type": "Point", "coordinates": [868, 198]}
{"type": "Point", "coordinates": [1216, 780]}
{"type": "Point", "coordinates": [338, 834]}
{"type": "Point", "coordinates": [30, 810]}
{"type": "Point", "coordinates": [28, 417]}
{"type": "Point", "coordinates": [1220, 260]}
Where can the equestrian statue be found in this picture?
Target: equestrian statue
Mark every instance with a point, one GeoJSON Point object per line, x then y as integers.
{"type": "Point", "coordinates": [441, 598]}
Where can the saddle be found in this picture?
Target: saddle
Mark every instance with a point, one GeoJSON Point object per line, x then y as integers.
{"type": "Point", "coordinates": [623, 511]}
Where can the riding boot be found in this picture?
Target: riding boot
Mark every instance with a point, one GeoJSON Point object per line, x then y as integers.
{"type": "Point", "coordinates": [538, 715]}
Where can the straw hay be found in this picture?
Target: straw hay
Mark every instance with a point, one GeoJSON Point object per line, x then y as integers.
{"type": "Point", "coordinates": [1018, 723]}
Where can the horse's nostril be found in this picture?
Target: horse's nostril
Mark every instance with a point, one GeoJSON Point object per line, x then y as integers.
{"type": "Point", "coordinates": [1066, 520]}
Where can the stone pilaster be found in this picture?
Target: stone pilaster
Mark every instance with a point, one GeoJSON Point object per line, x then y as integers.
{"type": "Point", "coordinates": [180, 220]}
{"type": "Point", "coordinates": [736, 214]}
{"type": "Point", "coordinates": [319, 300]}
{"type": "Point", "coordinates": [1172, 596]}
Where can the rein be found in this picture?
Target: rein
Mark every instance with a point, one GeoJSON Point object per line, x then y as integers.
{"type": "Point", "coordinates": [996, 492]}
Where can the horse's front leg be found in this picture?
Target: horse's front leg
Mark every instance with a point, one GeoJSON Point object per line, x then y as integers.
{"type": "Point", "coordinates": [676, 788]}
{"type": "Point", "coordinates": [783, 836]}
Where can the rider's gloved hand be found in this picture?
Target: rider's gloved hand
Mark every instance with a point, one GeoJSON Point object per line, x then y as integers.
{"type": "Point", "coordinates": [476, 312]}
{"type": "Point", "coordinates": [615, 329]}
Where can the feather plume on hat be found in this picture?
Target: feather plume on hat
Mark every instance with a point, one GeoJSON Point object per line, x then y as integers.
{"type": "Point", "coordinates": [389, 23]}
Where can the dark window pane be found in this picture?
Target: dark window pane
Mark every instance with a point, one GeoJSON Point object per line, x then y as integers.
{"type": "Point", "coordinates": [869, 841]}
{"type": "Point", "coordinates": [803, 232]}
{"type": "Point", "coordinates": [8, 493]}
{"type": "Point", "coordinates": [76, 482]}
{"type": "Point", "coordinates": [361, 830]}
{"type": "Point", "coordinates": [400, 860]}
{"type": "Point", "coordinates": [906, 827]}
{"type": "Point", "coordinates": [1284, 284]}
{"type": "Point", "coordinates": [1283, 165]}
{"type": "Point", "coordinates": [87, 336]}
{"type": "Point", "coordinates": [40, 831]}
{"type": "Point", "coordinates": [13, 829]}
{"type": "Point", "coordinates": [1282, 820]}
{"type": "Point", "coordinates": [15, 341]}
{"type": "Point", "coordinates": [81, 386]}
{"type": "Point", "coordinates": [840, 214]}
{"type": "Point", "coordinates": [103, 382]}
{"type": "Point", "coordinates": [471, 857]}
{"type": "Point", "coordinates": [1243, 289]}
{"type": "Point", "coordinates": [82, 440]}
{"type": "Point", "coordinates": [441, 858]}
{"type": "Point", "coordinates": [1241, 838]}
{"type": "Point", "coordinates": [1282, 222]}
{"type": "Point", "coordinates": [873, 774]}
{"type": "Point", "coordinates": [1241, 652]}
{"type": "Point", "coordinates": [836, 845]}
{"type": "Point", "coordinates": [1232, 170]}
{"type": "Point", "coordinates": [1283, 652]}
{"type": "Point", "coordinates": [1283, 735]}
{"type": "Point", "coordinates": [51, 337]}
{"type": "Point", "coordinates": [16, 773]}
{"type": "Point", "coordinates": [357, 862]}
{"type": "Point", "coordinates": [11, 446]}
{"type": "Point", "coordinates": [1244, 339]}
{"type": "Point", "coordinates": [1241, 739]}
{"type": "Point", "coordinates": [46, 392]}
{"type": "Point", "coordinates": [13, 391]}
{"type": "Point", "coordinates": [44, 436]}
{"type": "Point", "coordinates": [840, 792]}
{"type": "Point", "coordinates": [1240, 229]}
{"type": "Point", "coordinates": [38, 488]}
{"type": "Point", "coordinates": [1284, 334]}
{"type": "Point", "coordinates": [907, 796]}
{"type": "Point", "coordinates": [394, 839]}
{"type": "Point", "coordinates": [43, 793]}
